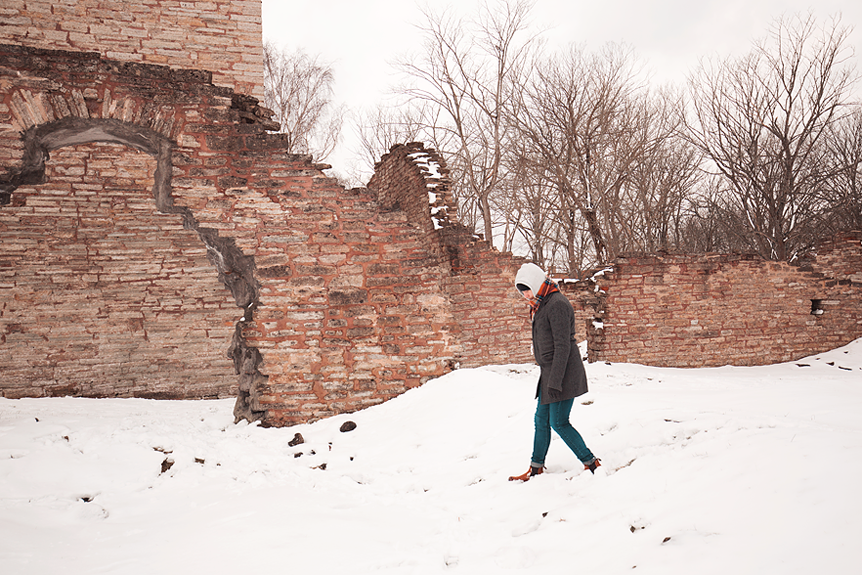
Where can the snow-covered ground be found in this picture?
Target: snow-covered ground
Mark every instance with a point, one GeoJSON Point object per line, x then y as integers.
{"type": "Point", "coordinates": [726, 470]}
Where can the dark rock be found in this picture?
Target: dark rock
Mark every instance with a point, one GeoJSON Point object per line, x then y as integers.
{"type": "Point", "coordinates": [167, 464]}
{"type": "Point", "coordinates": [297, 440]}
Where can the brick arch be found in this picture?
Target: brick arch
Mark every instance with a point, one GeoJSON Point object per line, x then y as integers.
{"type": "Point", "coordinates": [235, 270]}
{"type": "Point", "coordinates": [40, 140]}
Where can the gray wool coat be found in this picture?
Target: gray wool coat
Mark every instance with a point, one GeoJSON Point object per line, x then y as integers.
{"type": "Point", "coordinates": [562, 371]}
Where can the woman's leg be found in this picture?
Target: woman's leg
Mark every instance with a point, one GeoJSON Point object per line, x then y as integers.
{"type": "Point", "coordinates": [542, 437]}
{"type": "Point", "coordinates": [559, 421]}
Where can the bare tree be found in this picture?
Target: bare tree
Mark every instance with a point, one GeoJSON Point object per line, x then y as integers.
{"type": "Point", "coordinates": [527, 207]}
{"type": "Point", "coordinates": [761, 120]}
{"type": "Point", "coordinates": [582, 120]}
{"type": "Point", "coordinates": [385, 126]}
{"type": "Point", "coordinates": [298, 88]}
{"type": "Point", "coordinates": [465, 75]}
{"type": "Point", "coordinates": [844, 192]}
{"type": "Point", "coordinates": [663, 180]}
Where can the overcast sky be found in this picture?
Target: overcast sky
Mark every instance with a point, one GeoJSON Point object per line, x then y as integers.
{"type": "Point", "coordinates": [361, 38]}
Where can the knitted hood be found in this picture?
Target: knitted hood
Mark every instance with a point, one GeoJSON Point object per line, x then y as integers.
{"type": "Point", "coordinates": [531, 276]}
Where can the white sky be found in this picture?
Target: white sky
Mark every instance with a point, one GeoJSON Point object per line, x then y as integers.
{"type": "Point", "coordinates": [363, 37]}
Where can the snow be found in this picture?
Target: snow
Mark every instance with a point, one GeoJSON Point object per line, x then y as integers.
{"type": "Point", "coordinates": [429, 167]}
{"type": "Point", "coordinates": [721, 470]}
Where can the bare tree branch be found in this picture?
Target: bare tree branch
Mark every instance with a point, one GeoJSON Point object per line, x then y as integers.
{"type": "Point", "coordinates": [298, 88]}
{"type": "Point", "coordinates": [762, 121]}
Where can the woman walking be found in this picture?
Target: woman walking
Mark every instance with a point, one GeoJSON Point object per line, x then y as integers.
{"type": "Point", "coordinates": [562, 377]}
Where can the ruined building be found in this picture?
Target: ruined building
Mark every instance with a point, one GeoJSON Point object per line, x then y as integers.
{"type": "Point", "coordinates": [156, 241]}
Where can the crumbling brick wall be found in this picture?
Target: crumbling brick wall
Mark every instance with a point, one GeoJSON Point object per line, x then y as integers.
{"type": "Point", "coordinates": [585, 300]}
{"type": "Point", "coordinates": [330, 302]}
{"type": "Point", "coordinates": [101, 295]}
{"type": "Point", "coordinates": [156, 241]}
{"type": "Point", "coordinates": [492, 319]}
{"type": "Point", "coordinates": [711, 310]}
{"type": "Point", "coordinates": [220, 36]}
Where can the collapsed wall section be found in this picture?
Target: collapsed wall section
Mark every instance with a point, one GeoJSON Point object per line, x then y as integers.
{"type": "Point", "coordinates": [493, 322]}
{"type": "Point", "coordinates": [712, 310]}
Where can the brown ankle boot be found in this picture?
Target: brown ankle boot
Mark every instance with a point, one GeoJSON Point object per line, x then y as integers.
{"type": "Point", "coordinates": [592, 465]}
{"type": "Point", "coordinates": [530, 473]}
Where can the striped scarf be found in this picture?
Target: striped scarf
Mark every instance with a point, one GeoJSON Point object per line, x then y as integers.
{"type": "Point", "coordinates": [548, 287]}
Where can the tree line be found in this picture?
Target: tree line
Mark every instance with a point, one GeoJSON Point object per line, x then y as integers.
{"type": "Point", "coordinates": [572, 157]}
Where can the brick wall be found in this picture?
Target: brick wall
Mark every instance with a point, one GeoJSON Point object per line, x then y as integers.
{"type": "Point", "coordinates": [220, 36]}
{"type": "Point", "coordinates": [711, 310]}
{"type": "Point", "coordinates": [156, 241]}
{"type": "Point", "coordinates": [102, 295]}
{"type": "Point", "coordinates": [492, 319]}
{"type": "Point", "coordinates": [585, 300]}
{"type": "Point", "coordinates": [138, 178]}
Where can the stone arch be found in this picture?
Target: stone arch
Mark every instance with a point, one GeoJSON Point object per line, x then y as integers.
{"type": "Point", "coordinates": [235, 270]}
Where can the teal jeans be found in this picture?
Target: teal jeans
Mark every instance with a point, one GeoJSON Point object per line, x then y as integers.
{"type": "Point", "coordinates": [556, 416]}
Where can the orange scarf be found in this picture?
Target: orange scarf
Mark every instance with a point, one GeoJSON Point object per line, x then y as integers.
{"type": "Point", "coordinates": [548, 287]}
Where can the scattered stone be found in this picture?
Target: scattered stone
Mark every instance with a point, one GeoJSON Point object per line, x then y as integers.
{"type": "Point", "coordinates": [167, 464]}
{"type": "Point", "coordinates": [347, 426]}
{"type": "Point", "coordinates": [297, 440]}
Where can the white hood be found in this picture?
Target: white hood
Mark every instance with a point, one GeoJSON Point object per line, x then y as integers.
{"type": "Point", "coordinates": [531, 276]}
